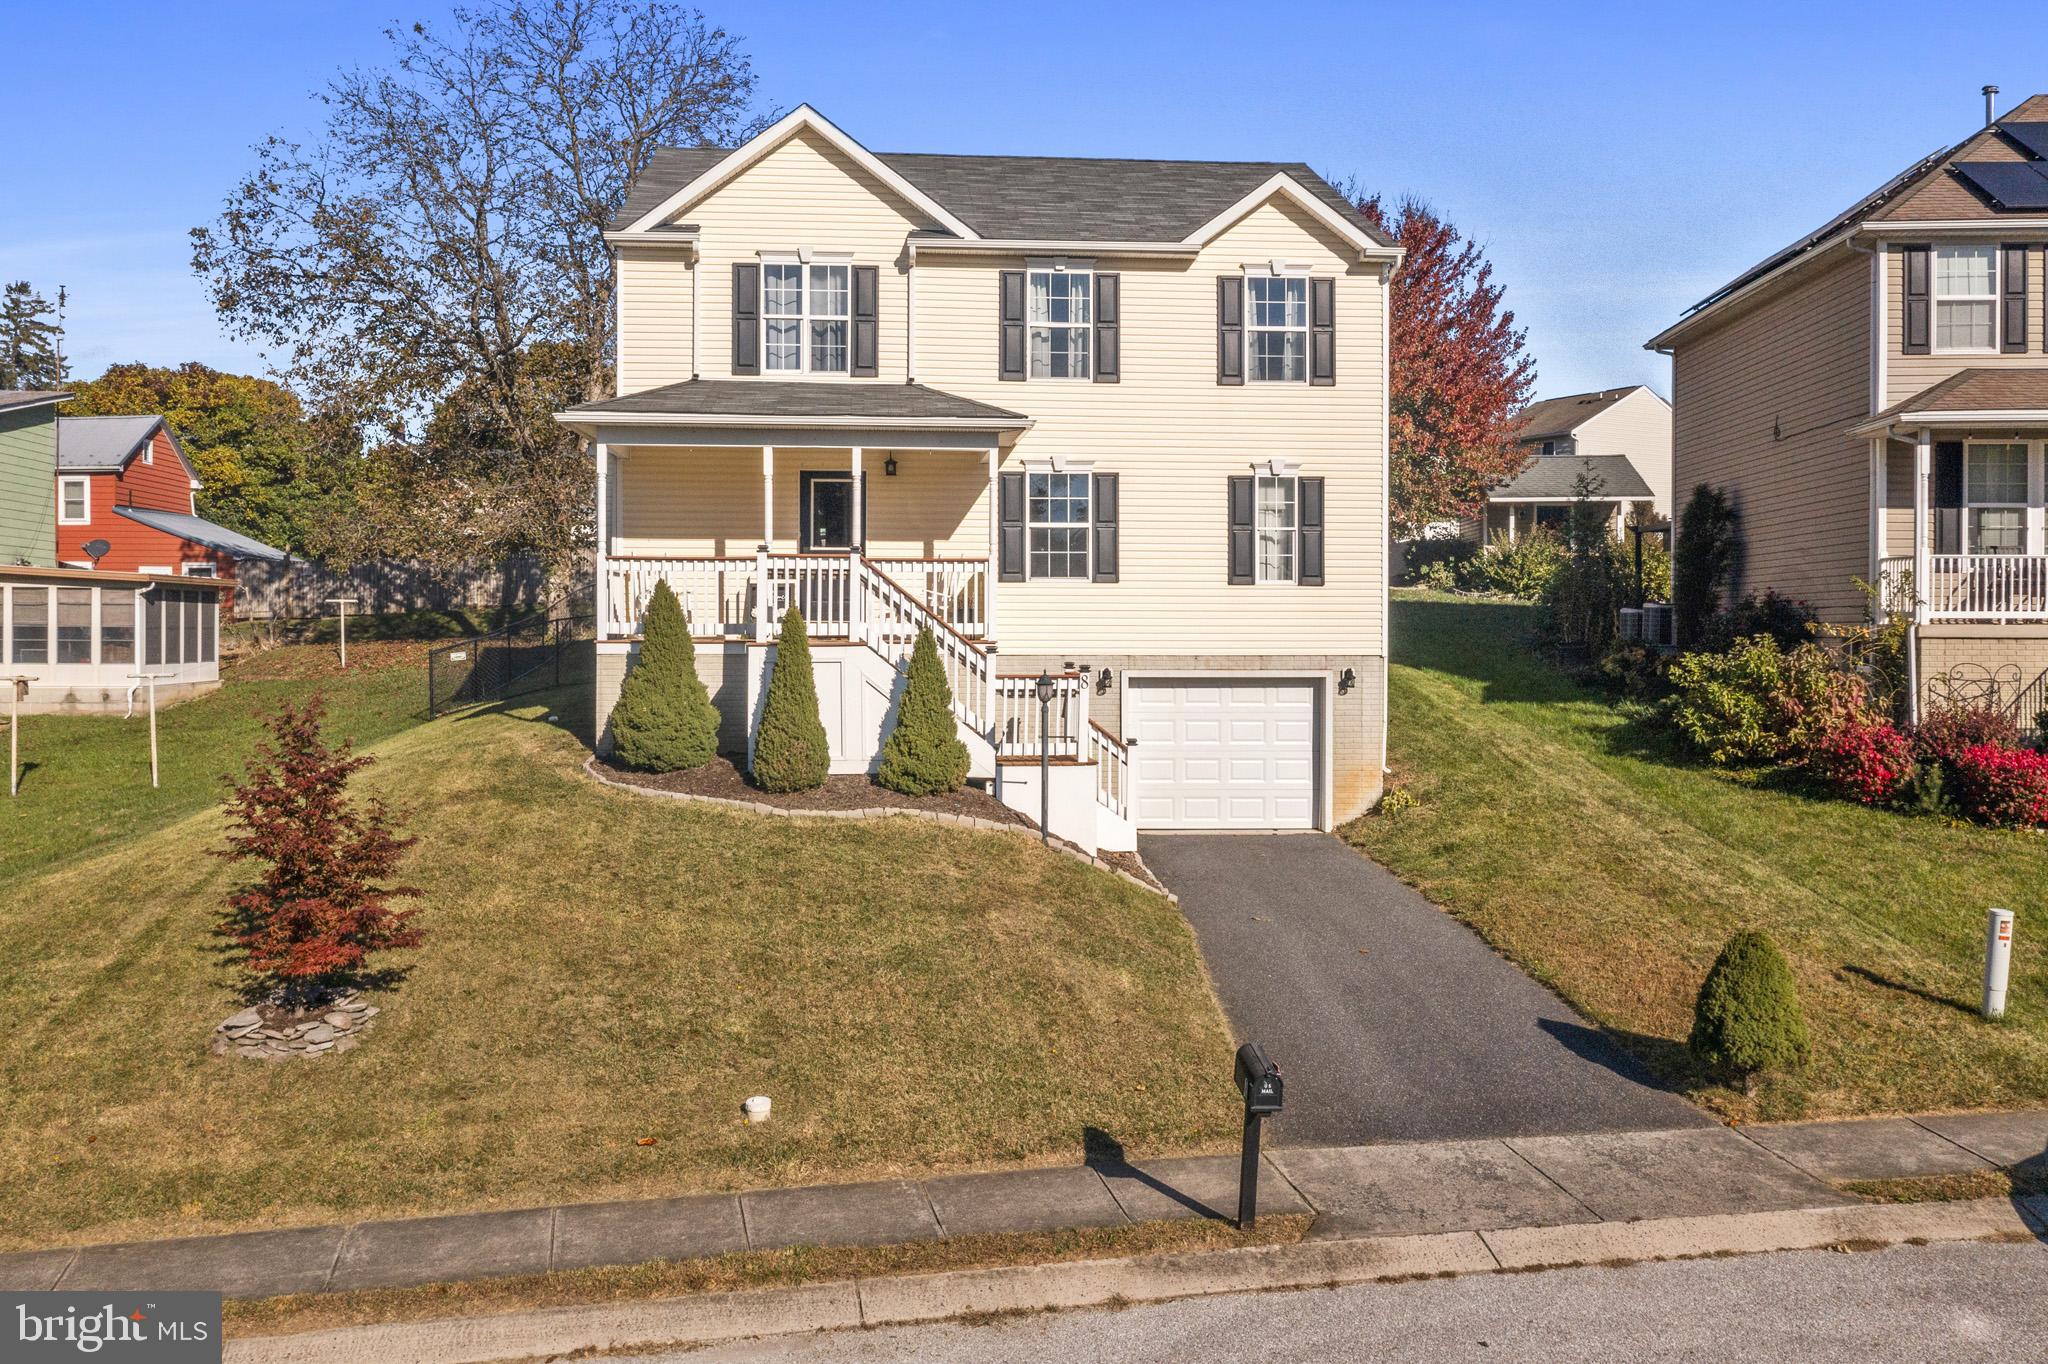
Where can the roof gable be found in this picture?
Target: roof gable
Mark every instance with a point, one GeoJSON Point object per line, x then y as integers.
{"type": "Point", "coordinates": [1549, 417]}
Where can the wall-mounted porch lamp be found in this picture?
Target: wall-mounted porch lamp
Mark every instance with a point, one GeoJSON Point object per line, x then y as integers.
{"type": "Point", "coordinates": [1347, 680]}
{"type": "Point", "coordinates": [889, 467]}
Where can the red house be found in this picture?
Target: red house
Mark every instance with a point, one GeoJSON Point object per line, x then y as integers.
{"type": "Point", "coordinates": [125, 489]}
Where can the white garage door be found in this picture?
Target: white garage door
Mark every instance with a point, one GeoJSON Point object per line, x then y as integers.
{"type": "Point", "coordinates": [1223, 754]}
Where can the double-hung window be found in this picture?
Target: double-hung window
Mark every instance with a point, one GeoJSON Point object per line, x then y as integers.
{"type": "Point", "coordinates": [1276, 325]}
{"type": "Point", "coordinates": [1057, 522]}
{"type": "Point", "coordinates": [1279, 527]}
{"type": "Point", "coordinates": [1062, 311]}
{"type": "Point", "coordinates": [73, 506]}
{"type": "Point", "coordinates": [806, 317]}
{"type": "Point", "coordinates": [1965, 298]}
{"type": "Point", "coordinates": [1995, 497]}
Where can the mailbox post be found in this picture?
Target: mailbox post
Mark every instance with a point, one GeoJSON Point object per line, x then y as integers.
{"type": "Point", "coordinates": [1258, 1080]}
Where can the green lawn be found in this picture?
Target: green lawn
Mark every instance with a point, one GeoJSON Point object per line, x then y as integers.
{"type": "Point", "coordinates": [601, 967]}
{"type": "Point", "coordinates": [1613, 868]}
{"type": "Point", "coordinates": [86, 788]}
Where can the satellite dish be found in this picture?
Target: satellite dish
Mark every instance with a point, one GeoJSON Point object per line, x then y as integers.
{"type": "Point", "coordinates": [96, 550]}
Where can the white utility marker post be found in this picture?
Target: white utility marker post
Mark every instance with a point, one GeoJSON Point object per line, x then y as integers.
{"type": "Point", "coordinates": [1997, 961]}
{"type": "Point", "coordinates": [149, 680]}
{"type": "Point", "coordinates": [343, 603]}
{"type": "Point", "coordinates": [15, 691]}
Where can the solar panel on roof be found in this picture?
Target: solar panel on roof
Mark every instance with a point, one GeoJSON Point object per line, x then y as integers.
{"type": "Point", "coordinates": [2009, 184]}
{"type": "Point", "coordinates": [2032, 136]}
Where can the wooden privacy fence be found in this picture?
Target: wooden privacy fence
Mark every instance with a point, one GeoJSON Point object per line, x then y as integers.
{"type": "Point", "coordinates": [297, 588]}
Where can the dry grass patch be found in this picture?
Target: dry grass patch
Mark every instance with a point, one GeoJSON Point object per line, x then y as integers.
{"type": "Point", "coordinates": [751, 1269]}
{"type": "Point", "coordinates": [1951, 1188]}
{"type": "Point", "coordinates": [1613, 869]}
{"type": "Point", "coordinates": [600, 968]}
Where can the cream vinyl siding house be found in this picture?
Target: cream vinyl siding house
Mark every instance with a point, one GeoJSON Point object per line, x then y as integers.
{"type": "Point", "coordinates": [1023, 408]}
{"type": "Point", "coordinates": [1621, 437]}
{"type": "Point", "coordinates": [1875, 397]}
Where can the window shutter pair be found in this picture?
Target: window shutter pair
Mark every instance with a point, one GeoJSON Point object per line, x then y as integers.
{"type": "Point", "coordinates": [746, 320]}
{"type": "Point", "coordinates": [1012, 532]}
{"type": "Point", "coordinates": [1242, 563]}
{"type": "Point", "coordinates": [1914, 334]}
{"type": "Point", "coordinates": [2012, 289]}
{"type": "Point", "coordinates": [1322, 330]}
{"type": "Point", "coordinates": [1010, 361]}
{"type": "Point", "coordinates": [1947, 499]}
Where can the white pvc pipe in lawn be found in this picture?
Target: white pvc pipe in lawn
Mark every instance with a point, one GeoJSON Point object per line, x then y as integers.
{"type": "Point", "coordinates": [1997, 961]}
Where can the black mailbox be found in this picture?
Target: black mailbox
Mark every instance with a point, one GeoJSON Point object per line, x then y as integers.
{"type": "Point", "coordinates": [1258, 1080]}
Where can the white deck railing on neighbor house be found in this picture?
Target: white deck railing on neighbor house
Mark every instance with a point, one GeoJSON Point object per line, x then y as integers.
{"type": "Point", "coordinates": [1976, 587]}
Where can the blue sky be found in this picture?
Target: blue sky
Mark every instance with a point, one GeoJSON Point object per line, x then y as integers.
{"type": "Point", "coordinates": [1617, 161]}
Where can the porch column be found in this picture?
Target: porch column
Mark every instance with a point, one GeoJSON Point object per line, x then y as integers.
{"type": "Point", "coordinates": [768, 498]}
{"type": "Point", "coordinates": [858, 536]}
{"type": "Point", "coordinates": [995, 550]}
{"type": "Point", "coordinates": [1877, 496]}
{"type": "Point", "coordinates": [764, 590]}
{"type": "Point", "coordinates": [1923, 551]}
{"type": "Point", "coordinates": [855, 628]}
{"type": "Point", "coordinates": [602, 593]}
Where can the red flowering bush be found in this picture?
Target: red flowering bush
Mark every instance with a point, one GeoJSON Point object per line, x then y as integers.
{"type": "Point", "coordinates": [1942, 736]}
{"type": "Point", "coordinates": [1997, 785]}
{"type": "Point", "coordinates": [1867, 762]}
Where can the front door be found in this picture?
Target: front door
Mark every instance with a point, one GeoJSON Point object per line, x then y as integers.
{"type": "Point", "coordinates": [828, 510]}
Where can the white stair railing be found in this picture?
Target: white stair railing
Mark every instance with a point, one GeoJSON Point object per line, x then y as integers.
{"type": "Point", "coordinates": [888, 618]}
{"type": "Point", "coordinates": [954, 590]}
{"type": "Point", "coordinates": [1021, 721]}
{"type": "Point", "coordinates": [1112, 770]}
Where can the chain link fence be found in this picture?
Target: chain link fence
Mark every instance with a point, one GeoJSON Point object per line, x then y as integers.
{"type": "Point", "coordinates": [537, 653]}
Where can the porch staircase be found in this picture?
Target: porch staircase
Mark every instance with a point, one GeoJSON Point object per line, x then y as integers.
{"type": "Point", "coordinates": [999, 715]}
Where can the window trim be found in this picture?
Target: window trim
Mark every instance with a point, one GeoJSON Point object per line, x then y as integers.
{"type": "Point", "coordinates": [1283, 271]}
{"type": "Point", "coordinates": [805, 261]}
{"type": "Point", "coordinates": [1085, 269]}
{"type": "Point", "coordinates": [1085, 471]}
{"type": "Point", "coordinates": [84, 494]}
{"type": "Point", "coordinates": [2023, 506]}
{"type": "Point", "coordinates": [1276, 472]}
{"type": "Point", "coordinates": [1935, 298]}
{"type": "Point", "coordinates": [198, 568]}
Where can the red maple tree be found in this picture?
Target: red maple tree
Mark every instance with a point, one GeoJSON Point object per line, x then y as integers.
{"type": "Point", "coordinates": [309, 922]}
{"type": "Point", "coordinates": [1460, 371]}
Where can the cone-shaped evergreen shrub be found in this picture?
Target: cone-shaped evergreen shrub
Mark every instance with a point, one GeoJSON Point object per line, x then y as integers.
{"type": "Point", "coordinates": [790, 751]}
{"type": "Point", "coordinates": [664, 720]}
{"type": "Point", "coordinates": [924, 755]}
{"type": "Point", "coordinates": [1748, 1017]}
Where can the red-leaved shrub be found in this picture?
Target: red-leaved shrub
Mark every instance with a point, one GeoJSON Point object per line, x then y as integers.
{"type": "Point", "coordinates": [1867, 762]}
{"type": "Point", "coordinates": [1997, 785]}
{"type": "Point", "coordinates": [1942, 736]}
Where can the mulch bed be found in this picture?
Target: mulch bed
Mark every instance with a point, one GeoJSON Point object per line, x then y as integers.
{"type": "Point", "coordinates": [1133, 866]}
{"type": "Point", "coordinates": [719, 778]}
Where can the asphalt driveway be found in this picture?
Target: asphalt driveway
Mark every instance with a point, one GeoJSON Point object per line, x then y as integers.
{"type": "Point", "coordinates": [1390, 1020]}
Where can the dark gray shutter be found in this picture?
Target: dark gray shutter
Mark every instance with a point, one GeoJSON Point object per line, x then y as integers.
{"type": "Point", "coordinates": [866, 321]}
{"type": "Point", "coordinates": [1109, 304]}
{"type": "Point", "coordinates": [1322, 331]}
{"type": "Point", "coordinates": [1311, 512]}
{"type": "Point", "coordinates": [1243, 568]}
{"type": "Point", "coordinates": [1914, 320]}
{"type": "Point", "coordinates": [1011, 364]}
{"type": "Point", "coordinates": [746, 318]}
{"type": "Point", "coordinates": [1010, 528]}
{"type": "Point", "coordinates": [2012, 279]}
{"type": "Point", "coordinates": [1948, 497]}
{"type": "Point", "coordinates": [1105, 513]}
{"type": "Point", "coordinates": [1229, 329]}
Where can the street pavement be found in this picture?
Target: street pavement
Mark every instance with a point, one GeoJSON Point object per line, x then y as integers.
{"type": "Point", "coordinates": [1972, 1301]}
{"type": "Point", "coordinates": [1389, 1019]}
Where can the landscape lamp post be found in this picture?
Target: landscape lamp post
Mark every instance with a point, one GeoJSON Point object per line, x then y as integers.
{"type": "Point", "coordinates": [1045, 690]}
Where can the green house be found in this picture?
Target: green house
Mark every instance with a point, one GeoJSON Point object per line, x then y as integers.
{"type": "Point", "coordinates": [28, 466]}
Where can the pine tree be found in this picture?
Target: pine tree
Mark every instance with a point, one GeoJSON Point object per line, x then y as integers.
{"type": "Point", "coordinates": [1747, 1018]}
{"type": "Point", "coordinates": [309, 923]}
{"type": "Point", "coordinates": [29, 339]}
{"type": "Point", "coordinates": [664, 720]}
{"type": "Point", "coordinates": [791, 752]}
{"type": "Point", "coordinates": [1709, 537]}
{"type": "Point", "coordinates": [924, 755]}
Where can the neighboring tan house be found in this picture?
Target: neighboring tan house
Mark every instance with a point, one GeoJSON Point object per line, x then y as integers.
{"type": "Point", "coordinates": [81, 636]}
{"type": "Point", "coordinates": [125, 483]}
{"type": "Point", "coordinates": [1118, 422]}
{"type": "Point", "coordinates": [1619, 437]}
{"type": "Point", "coordinates": [1875, 398]}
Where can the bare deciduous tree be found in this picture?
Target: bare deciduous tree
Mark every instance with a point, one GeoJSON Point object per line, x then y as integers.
{"type": "Point", "coordinates": [441, 238]}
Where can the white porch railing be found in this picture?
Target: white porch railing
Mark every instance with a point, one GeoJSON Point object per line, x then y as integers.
{"type": "Point", "coordinates": [717, 595]}
{"type": "Point", "coordinates": [723, 596]}
{"type": "Point", "coordinates": [954, 590]}
{"type": "Point", "coordinates": [1976, 587]}
{"type": "Point", "coordinates": [1112, 770]}
{"type": "Point", "coordinates": [1018, 716]}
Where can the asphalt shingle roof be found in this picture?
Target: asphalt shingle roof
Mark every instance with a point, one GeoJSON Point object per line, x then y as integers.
{"type": "Point", "coordinates": [796, 399]}
{"type": "Point", "coordinates": [98, 444]}
{"type": "Point", "coordinates": [1042, 198]}
{"type": "Point", "coordinates": [11, 398]}
{"type": "Point", "coordinates": [200, 531]}
{"type": "Point", "coordinates": [1979, 390]}
{"type": "Point", "coordinates": [1554, 477]}
{"type": "Point", "coordinates": [1559, 416]}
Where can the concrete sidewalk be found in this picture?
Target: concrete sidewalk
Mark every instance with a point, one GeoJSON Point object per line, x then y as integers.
{"type": "Point", "coordinates": [1363, 1191]}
